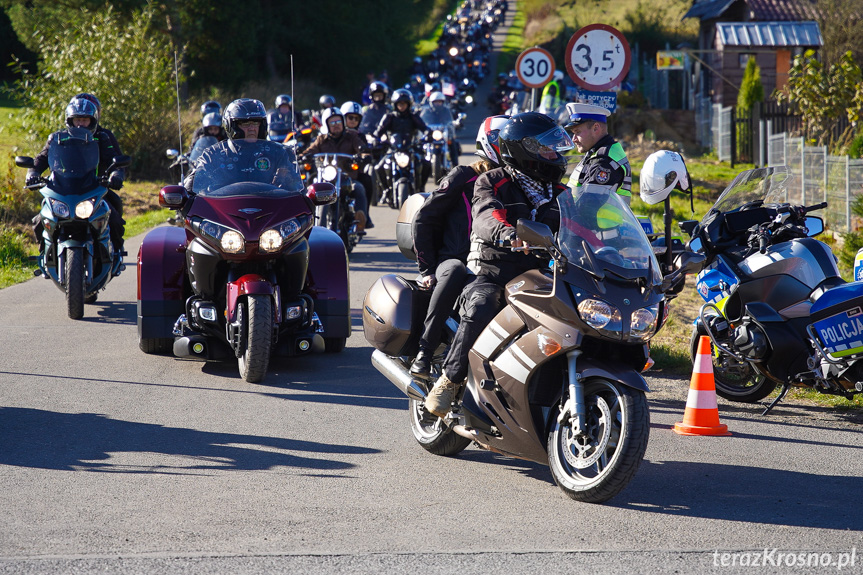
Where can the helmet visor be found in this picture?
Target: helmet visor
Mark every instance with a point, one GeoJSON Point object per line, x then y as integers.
{"type": "Point", "coordinates": [549, 143]}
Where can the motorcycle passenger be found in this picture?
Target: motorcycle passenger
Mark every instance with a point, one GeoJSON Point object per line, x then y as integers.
{"type": "Point", "coordinates": [402, 120]}
{"type": "Point", "coordinates": [442, 239]}
{"type": "Point", "coordinates": [326, 102]}
{"type": "Point", "coordinates": [335, 139]}
{"type": "Point", "coordinates": [82, 112]}
{"type": "Point", "coordinates": [604, 160]}
{"type": "Point", "coordinates": [525, 187]}
{"type": "Point", "coordinates": [211, 125]}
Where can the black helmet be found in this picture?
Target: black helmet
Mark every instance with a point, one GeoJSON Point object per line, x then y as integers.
{"type": "Point", "coordinates": [327, 101]}
{"type": "Point", "coordinates": [284, 99]}
{"type": "Point", "coordinates": [212, 119]}
{"type": "Point", "coordinates": [531, 143]}
{"type": "Point", "coordinates": [81, 108]}
{"type": "Point", "coordinates": [244, 110]}
{"type": "Point", "coordinates": [402, 95]}
{"type": "Point", "coordinates": [90, 98]}
{"type": "Point", "coordinates": [210, 106]}
{"type": "Point", "coordinates": [378, 87]}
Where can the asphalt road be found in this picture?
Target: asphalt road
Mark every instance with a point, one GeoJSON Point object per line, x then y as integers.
{"type": "Point", "coordinates": [113, 461]}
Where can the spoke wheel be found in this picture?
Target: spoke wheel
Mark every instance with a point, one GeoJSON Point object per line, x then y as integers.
{"type": "Point", "coordinates": [735, 380]}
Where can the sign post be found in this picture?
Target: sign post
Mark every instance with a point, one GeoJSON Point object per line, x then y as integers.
{"type": "Point", "coordinates": [534, 68]}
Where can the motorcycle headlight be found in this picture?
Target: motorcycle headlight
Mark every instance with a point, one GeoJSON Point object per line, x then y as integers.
{"type": "Point", "coordinates": [603, 317]}
{"type": "Point", "coordinates": [84, 209]}
{"type": "Point", "coordinates": [60, 209]}
{"type": "Point", "coordinates": [468, 99]}
{"type": "Point", "coordinates": [437, 135]}
{"type": "Point", "coordinates": [402, 159]}
{"type": "Point", "coordinates": [330, 173]}
{"type": "Point", "coordinates": [642, 323]}
{"type": "Point", "coordinates": [270, 241]}
{"type": "Point", "coordinates": [229, 240]}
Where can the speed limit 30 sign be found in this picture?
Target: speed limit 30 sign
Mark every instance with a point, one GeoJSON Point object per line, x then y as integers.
{"type": "Point", "coordinates": [597, 57]}
{"type": "Point", "coordinates": [534, 67]}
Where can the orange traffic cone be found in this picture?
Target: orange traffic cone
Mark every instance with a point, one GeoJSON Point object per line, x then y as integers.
{"type": "Point", "coordinates": [702, 415]}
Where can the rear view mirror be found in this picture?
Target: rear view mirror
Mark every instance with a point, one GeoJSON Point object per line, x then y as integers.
{"type": "Point", "coordinates": [171, 153]}
{"type": "Point", "coordinates": [174, 197]}
{"type": "Point", "coordinates": [322, 193]}
{"type": "Point", "coordinates": [534, 233]}
{"type": "Point", "coordinates": [814, 225]}
{"type": "Point", "coordinates": [24, 161]}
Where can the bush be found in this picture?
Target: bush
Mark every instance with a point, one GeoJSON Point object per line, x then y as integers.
{"type": "Point", "coordinates": [121, 60]}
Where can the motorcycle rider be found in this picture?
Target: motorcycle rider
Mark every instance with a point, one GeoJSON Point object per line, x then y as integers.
{"type": "Point", "coordinates": [209, 107]}
{"type": "Point", "coordinates": [82, 112]}
{"type": "Point", "coordinates": [604, 160]}
{"type": "Point", "coordinates": [525, 187]}
{"type": "Point", "coordinates": [353, 114]}
{"type": "Point", "coordinates": [441, 243]}
{"type": "Point", "coordinates": [326, 102]}
{"type": "Point", "coordinates": [211, 125]}
{"type": "Point", "coordinates": [284, 112]}
{"type": "Point", "coordinates": [402, 120]}
{"type": "Point", "coordinates": [437, 103]}
{"type": "Point", "coordinates": [375, 112]}
{"type": "Point", "coordinates": [335, 139]}
{"type": "Point", "coordinates": [498, 93]}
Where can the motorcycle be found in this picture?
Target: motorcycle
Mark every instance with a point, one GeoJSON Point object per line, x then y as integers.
{"type": "Point", "coordinates": [402, 165]}
{"type": "Point", "coordinates": [339, 217]}
{"type": "Point", "coordinates": [77, 253]}
{"type": "Point", "coordinates": [555, 377]}
{"type": "Point", "coordinates": [439, 151]}
{"type": "Point", "coordinates": [248, 275]}
{"type": "Point", "coordinates": [182, 163]}
{"type": "Point", "coordinates": [776, 309]}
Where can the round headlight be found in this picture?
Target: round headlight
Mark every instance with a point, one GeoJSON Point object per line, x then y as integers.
{"type": "Point", "coordinates": [599, 315]}
{"type": "Point", "coordinates": [402, 159]}
{"type": "Point", "coordinates": [468, 99]}
{"type": "Point", "coordinates": [84, 209]}
{"type": "Point", "coordinates": [60, 209]}
{"type": "Point", "coordinates": [437, 135]}
{"type": "Point", "coordinates": [270, 241]}
{"type": "Point", "coordinates": [330, 173]}
{"type": "Point", "coordinates": [643, 321]}
{"type": "Point", "coordinates": [232, 242]}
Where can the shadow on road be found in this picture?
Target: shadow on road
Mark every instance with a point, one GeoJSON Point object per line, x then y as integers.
{"type": "Point", "coordinates": [86, 442]}
{"type": "Point", "coordinates": [741, 493]}
{"type": "Point", "coordinates": [120, 313]}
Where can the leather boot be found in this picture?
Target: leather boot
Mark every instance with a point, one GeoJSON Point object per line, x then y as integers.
{"type": "Point", "coordinates": [441, 396]}
{"type": "Point", "coordinates": [360, 219]}
{"type": "Point", "coordinates": [421, 367]}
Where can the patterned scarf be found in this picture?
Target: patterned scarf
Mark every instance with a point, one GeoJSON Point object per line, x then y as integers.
{"type": "Point", "coordinates": [538, 193]}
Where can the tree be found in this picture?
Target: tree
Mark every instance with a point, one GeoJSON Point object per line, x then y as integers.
{"type": "Point", "coordinates": [751, 89]}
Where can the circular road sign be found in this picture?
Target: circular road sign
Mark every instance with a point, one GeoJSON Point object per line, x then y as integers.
{"type": "Point", "coordinates": [534, 67]}
{"type": "Point", "coordinates": [597, 57]}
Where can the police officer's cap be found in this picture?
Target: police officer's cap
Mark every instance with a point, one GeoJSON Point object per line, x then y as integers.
{"type": "Point", "coordinates": [579, 113]}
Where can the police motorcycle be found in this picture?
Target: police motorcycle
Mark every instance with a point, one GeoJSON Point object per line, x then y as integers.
{"type": "Point", "coordinates": [247, 276]}
{"type": "Point", "coordinates": [340, 170]}
{"type": "Point", "coordinates": [555, 377]}
{"type": "Point", "coordinates": [440, 150]}
{"type": "Point", "coordinates": [776, 310]}
{"type": "Point", "coordinates": [77, 254]}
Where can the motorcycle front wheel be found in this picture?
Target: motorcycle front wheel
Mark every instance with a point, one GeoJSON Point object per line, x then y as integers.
{"type": "Point", "coordinates": [75, 283]}
{"type": "Point", "coordinates": [596, 465]}
{"type": "Point", "coordinates": [437, 169]}
{"type": "Point", "coordinates": [432, 434]}
{"type": "Point", "coordinates": [735, 380]}
{"type": "Point", "coordinates": [257, 320]}
{"type": "Point", "coordinates": [402, 192]}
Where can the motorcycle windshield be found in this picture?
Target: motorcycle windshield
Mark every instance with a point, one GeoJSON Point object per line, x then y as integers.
{"type": "Point", "coordinates": [237, 161]}
{"type": "Point", "coordinates": [436, 116]}
{"type": "Point", "coordinates": [201, 144]}
{"type": "Point", "coordinates": [599, 234]}
{"type": "Point", "coordinates": [73, 157]}
{"type": "Point", "coordinates": [754, 188]}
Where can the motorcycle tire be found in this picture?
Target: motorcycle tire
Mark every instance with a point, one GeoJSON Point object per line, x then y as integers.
{"type": "Point", "coordinates": [735, 381]}
{"type": "Point", "coordinates": [75, 283]}
{"type": "Point", "coordinates": [401, 194]}
{"type": "Point", "coordinates": [437, 169]}
{"type": "Point", "coordinates": [596, 466]}
{"type": "Point", "coordinates": [258, 323]}
{"type": "Point", "coordinates": [155, 345]}
{"type": "Point", "coordinates": [432, 434]}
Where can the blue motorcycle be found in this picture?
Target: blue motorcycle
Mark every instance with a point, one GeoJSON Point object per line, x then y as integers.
{"type": "Point", "coordinates": [776, 309]}
{"type": "Point", "coordinates": [78, 255]}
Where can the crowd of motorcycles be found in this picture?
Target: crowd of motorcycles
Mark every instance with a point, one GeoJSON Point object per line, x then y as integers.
{"type": "Point", "coordinates": [556, 378]}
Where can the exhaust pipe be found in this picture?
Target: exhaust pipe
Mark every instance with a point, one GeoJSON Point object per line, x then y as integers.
{"type": "Point", "coordinates": [395, 371]}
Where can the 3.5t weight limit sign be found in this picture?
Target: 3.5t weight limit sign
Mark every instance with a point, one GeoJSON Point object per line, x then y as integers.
{"type": "Point", "coordinates": [597, 57]}
{"type": "Point", "coordinates": [534, 67]}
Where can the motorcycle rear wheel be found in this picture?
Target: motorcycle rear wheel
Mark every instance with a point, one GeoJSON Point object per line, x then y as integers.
{"type": "Point", "coordinates": [258, 323]}
{"type": "Point", "coordinates": [735, 381]}
{"type": "Point", "coordinates": [597, 465]}
{"type": "Point", "coordinates": [434, 436]}
{"type": "Point", "coordinates": [75, 283]}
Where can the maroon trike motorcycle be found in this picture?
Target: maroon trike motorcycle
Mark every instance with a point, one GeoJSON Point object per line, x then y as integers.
{"type": "Point", "coordinates": [248, 274]}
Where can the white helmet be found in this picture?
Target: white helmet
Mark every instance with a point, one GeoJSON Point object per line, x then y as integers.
{"type": "Point", "coordinates": [487, 143]}
{"type": "Point", "coordinates": [351, 108]}
{"type": "Point", "coordinates": [329, 113]}
{"type": "Point", "coordinates": [663, 172]}
{"type": "Point", "coordinates": [437, 97]}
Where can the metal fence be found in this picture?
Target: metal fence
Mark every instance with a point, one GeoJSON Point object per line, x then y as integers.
{"type": "Point", "coordinates": [721, 129]}
{"type": "Point", "coordinates": [819, 177]}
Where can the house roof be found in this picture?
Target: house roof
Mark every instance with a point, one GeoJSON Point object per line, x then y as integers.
{"type": "Point", "coordinates": [768, 34]}
{"type": "Point", "coordinates": [757, 10]}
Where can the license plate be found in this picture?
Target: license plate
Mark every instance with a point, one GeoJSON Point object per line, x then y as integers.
{"type": "Point", "coordinates": [842, 334]}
